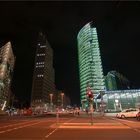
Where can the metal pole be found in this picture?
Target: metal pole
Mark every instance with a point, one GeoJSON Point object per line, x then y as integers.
{"type": "Point", "coordinates": [91, 110]}
{"type": "Point", "coordinates": [57, 116]}
{"type": "Point", "coordinates": [102, 103]}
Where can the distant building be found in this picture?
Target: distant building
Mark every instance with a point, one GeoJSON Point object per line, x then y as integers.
{"type": "Point", "coordinates": [90, 65]}
{"type": "Point", "coordinates": [61, 100]}
{"type": "Point", "coordinates": [44, 75]}
{"type": "Point", "coordinates": [116, 81]}
{"type": "Point", "coordinates": [7, 61]}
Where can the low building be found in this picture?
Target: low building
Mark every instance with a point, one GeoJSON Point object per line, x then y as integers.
{"type": "Point", "coordinates": [118, 100]}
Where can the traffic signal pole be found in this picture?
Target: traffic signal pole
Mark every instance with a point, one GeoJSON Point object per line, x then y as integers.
{"type": "Point", "coordinates": [90, 99]}
{"type": "Point", "coordinates": [91, 111]}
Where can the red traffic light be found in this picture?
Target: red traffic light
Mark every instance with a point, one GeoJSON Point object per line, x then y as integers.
{"type": "Point", "coordinates": [90, 94]}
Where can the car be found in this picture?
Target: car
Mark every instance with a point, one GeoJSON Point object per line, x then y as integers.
{"type": "Point", "coordinates": [45, 112]}
{"type": "Point", "coordinates": [138, 116]}
{"type": "Point", "coordinates": [132, 112]}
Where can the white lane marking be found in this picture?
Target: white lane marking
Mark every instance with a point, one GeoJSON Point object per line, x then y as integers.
{"type": "Point", "coordinates": [137, 130]}
{"type": "Point", "coordinates": [14, 124]}
{"type": "Point", "coordinates": [8, 130]}
{"type": "Point", "coordinates": [122, 120]}
{"type": "Point", "coordinates": [51, 133]}
{"type": "Point", "coordinates": [57, 128]}
{"type": "Point", "coordinates": [26, 121]}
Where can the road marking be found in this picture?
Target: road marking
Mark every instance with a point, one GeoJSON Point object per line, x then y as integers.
{"type": "Point", "coordinates": [51, 133]}
{"type": "Point", "coordinates": [137, 130]}
{"type": "Point", "coordinates": [13, 124]}
{"type": "Point", "coordinates": [95, 127]}
{"type": "Point", "coordinates": [8, 130]}
{"type": "Point", "coordinates": [134, 129]}
{"type": "Point", "coordinates": [57, 128]}
{"type": "Point", "coordinates": [122, 120]}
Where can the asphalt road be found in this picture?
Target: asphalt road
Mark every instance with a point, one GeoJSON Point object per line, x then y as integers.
{"type": "Point", "coordinates": [68, 128]}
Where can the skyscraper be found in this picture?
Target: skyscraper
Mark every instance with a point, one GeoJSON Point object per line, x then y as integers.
{"type": "Point", "coordinates": [7, 61]}
{"type": "Point", "coordinates": [90, 66]}
{"type": "Point", "coordinates": [44, 76]}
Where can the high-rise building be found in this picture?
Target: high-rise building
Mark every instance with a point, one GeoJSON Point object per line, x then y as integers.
{"type": "Point", "coordinates": [44, 75]}
{"type": "Point", "coordinates": [110, 81]}
{"type": "Point", "coordinates": [116, 81]}
{"type": "Point", "coordinates": [7, 61]}
{"type": "Point", "coordinates": [90, 65]}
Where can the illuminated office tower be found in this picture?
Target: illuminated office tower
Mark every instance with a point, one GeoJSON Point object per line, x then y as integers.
{"type": "Point", "coordinates": [7, 61]}
{"type": "Point", "coordinates": [44, 76]}
{"type": "Point", "coordinates": [90, 66]}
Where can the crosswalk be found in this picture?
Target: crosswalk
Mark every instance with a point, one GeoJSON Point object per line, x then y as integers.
{"type": "Point", "coordinates": [91, 126]}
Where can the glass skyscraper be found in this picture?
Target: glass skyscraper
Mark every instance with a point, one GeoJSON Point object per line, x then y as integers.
{"type": "Point", "coordinates": [90, 65]}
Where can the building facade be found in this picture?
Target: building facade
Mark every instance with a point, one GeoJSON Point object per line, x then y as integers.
{"type": "Point", "coordinates": [118, 100]}
{"type": "Point", "coordinates": [7, 61]}
{"type": "Point", "coordinates": [116, 81]}
{"type": "Point", "coordinates": [90, 65]}
{"type": "Point", "coordinates": [44, 75]}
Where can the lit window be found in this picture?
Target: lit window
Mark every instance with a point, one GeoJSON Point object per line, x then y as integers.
{"type": "Point", "coordinates": [42, 46]}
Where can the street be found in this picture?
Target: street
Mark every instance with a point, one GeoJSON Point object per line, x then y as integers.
{"type": "Point", "coordinates": [68, 127]}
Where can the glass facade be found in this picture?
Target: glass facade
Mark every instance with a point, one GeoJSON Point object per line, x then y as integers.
{"type": "Point", "coordinates": [118, 100]}
{"type": "Point", "coordinates": [116, 81]}
{"type": "Point", "coordinates": [90, 67]}
{"type": "Point", "coordinates": [110, 81]}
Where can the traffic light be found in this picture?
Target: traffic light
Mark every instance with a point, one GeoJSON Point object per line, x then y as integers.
{"type": "Point", "coordinates": [90, 94]}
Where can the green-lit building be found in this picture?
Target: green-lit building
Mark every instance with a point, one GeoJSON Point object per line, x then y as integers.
{"type": "Point", "coordinates": [90, 65]}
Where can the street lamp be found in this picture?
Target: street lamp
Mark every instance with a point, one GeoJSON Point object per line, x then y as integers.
{"type": "Point", "coordinates": [62, 98]}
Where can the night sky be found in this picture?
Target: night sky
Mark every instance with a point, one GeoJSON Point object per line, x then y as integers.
{"type": "Point", "coordinates": [118, 27]}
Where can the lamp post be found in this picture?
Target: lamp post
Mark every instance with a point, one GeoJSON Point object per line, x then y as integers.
{"type": "Point", "coordinates": [62, 99]}
{"type": "Point", "coordinates": [51, 95]}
